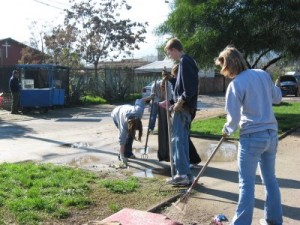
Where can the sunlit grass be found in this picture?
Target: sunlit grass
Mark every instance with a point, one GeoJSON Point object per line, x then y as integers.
{"type": "Point", "coordinates": [34, 193]}
{"type": "Point", "coordinates": [29, 191]}
{"type": "Point", "coordinates": [90, 99]}
{"type": "Point", "coordinates": [287, 115]}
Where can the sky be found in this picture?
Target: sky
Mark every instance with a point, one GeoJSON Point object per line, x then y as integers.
{"type": "Point", "coordinates": [16, 17]}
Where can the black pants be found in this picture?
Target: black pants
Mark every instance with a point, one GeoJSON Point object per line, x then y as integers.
{"type": "Point", "coordinates": [15, 102]}
{"type": "Point", "coordinates": [163, 141]}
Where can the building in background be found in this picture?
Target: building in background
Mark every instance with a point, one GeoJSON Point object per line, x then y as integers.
{"type": "Point", "coordinates": [13, 52]}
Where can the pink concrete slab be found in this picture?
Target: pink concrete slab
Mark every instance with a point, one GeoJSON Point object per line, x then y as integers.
{"type": "Point", "coordinates": [128, 216]}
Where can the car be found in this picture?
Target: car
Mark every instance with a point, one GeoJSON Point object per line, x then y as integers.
{"type": "Point", "coordinates": [146, 90]}
{"type": "Point", "coordinates": [289, 85]}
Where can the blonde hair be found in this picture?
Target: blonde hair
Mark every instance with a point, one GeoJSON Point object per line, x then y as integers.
{"type": "Point", "coordinates": [231, 61]}
{"type": "Point", "coordinates": [174, 70]}
{"type": "Point", "coordinates": [135, 124]}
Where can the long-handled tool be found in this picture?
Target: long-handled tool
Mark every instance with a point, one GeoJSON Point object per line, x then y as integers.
{"type": "Point", "coordinates": [169, 129]}
{"type": "Point", "coordinates": [145, 154]}
{"type": "Point", "coordinates": [182, 202]}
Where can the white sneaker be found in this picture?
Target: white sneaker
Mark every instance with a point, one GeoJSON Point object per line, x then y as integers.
{"type": "Point", "coordinates": [178, 180]}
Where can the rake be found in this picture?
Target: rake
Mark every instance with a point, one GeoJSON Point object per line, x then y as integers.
{"type": "Point", "coordinates": [181, 204]}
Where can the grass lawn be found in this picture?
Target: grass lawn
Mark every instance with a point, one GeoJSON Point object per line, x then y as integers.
{"type": "Point", "coordinates": [44, 193]}
{"type": "Point", "coordinates": [287, 115]}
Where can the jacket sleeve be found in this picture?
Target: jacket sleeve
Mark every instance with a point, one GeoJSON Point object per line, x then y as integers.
{"type": "Point", "coordinates": [138, 110]}
{"type": "Point", "coordinates": [276, 94]}
{"type": "Point", "coordinates": [189, 73]}
{"type": "Point", "coordinates": [232, 107]}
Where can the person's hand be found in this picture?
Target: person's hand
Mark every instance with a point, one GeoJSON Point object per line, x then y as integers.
{"type": "Point", "coordinates": [152, 96]}
{"type": "Point", "coordinates": [178, 105]}
{"type": "Point", "coordinates": [148, 99]}
{"type": "Point", "coordinates": [166, 75]}
{"type": "Point", "coordinates": [224, 135]}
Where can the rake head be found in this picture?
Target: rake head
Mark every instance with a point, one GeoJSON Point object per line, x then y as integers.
{"type": "Point", "coordinates": [181, 204]}
{"type": "Point", "coordinates": [144, 156]}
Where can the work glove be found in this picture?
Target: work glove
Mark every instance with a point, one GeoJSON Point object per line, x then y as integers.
{"type": "Point", "coordinates": [152, 96]}
{"type": "Point", "coordinates": [178, 106]}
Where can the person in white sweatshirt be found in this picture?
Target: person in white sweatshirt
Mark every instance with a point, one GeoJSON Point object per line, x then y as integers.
{"type": "Point", "coordinates": [249, 99]}
{"type": "Point", "coordinates": [127, 119]}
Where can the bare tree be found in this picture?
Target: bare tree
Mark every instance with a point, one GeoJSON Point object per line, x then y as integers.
{"type": "Point", "coordinates": [102, 34]}
{"type": "Point", "coordinates": [60, 44]}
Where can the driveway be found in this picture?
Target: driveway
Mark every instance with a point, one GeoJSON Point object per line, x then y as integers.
{"type": "Point", "coordinates": [84, 137]}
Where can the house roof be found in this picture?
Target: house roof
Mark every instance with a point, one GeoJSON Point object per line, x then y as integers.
{"type": "Point", "coordinates": [20, 43]}
{"type": "Point", "coordinates": [156, 66]}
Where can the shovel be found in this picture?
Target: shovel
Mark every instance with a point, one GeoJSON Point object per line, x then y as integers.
{"type": "Point", "coordinates": [145, 154]}
{"type": "Point", "coordinates": [182, 202]}
{"type": "Point", "coordinates": [169, 130]}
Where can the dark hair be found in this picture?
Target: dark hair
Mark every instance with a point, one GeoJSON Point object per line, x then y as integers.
{"type": "Point", "coordinates": [15, 72]}
{"type": "Point", "coordinates": [135, 124]}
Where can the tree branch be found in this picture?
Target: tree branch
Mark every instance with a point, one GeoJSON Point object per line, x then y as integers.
{"type": "Point", "coordinates": [259, 57]}
{"type": "Point", "coordinates": [272, 62]}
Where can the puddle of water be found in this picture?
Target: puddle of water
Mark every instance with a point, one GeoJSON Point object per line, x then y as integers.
{"type": "Point", "coordinates": [146, 173]}
{"type": "Point", "coordinates": [226, 153]}
{"type": "Point", "coordinates": [80, 145]}
{"type": "Point", "coordinates": [76, 145]}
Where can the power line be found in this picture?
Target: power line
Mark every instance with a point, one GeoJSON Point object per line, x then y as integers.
{"type": "Point", "coordinates": [43, 3]}
{"type": "Point", "coordinates": [60, 3]}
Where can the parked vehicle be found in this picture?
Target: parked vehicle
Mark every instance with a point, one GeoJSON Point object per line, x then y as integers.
{"type": "Point", "coordinates": [289, 85]}
{"type": "Point", "coordinates": [146, 90]}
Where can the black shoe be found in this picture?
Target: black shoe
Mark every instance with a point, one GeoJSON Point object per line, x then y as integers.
{"type": "Point", "coordinates": [130, 157]}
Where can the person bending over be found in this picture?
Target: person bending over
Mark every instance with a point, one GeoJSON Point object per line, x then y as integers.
{"type": "Point", "coordinates": [127, 119]}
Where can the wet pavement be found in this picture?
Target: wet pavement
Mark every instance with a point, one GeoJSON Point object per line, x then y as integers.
{"type": "Point", "coordinates": [86, 137]}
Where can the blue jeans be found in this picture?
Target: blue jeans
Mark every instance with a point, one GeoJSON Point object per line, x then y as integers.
{"type": "Point", "coordinates": [128, 145]}
{"type": "Point", "coordinates": [180, 142]}
{"type": "Point", "coordinates": [153, 115]}
{"type": "Point", "coordinates": [258, 148]}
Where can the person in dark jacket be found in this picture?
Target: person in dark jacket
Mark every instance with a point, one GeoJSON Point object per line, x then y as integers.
{"type": "Point", "coordinates": [14, 86]}
{"type": "Point", "coordinates": [171, 77]}
{"type": "Point", "coordinates": [185, 106]}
